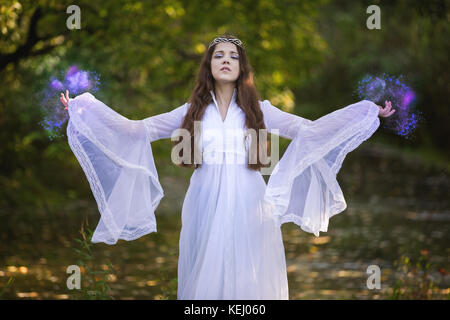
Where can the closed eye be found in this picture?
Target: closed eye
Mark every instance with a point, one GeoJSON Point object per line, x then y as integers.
{"type": "Point", "coordinates": [220, 56]}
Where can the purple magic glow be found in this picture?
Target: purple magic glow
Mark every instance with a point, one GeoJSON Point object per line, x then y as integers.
{"type": "Point", "coordinates": [74, 80]}
{"type": "Point", "coordinates": [385, 87]}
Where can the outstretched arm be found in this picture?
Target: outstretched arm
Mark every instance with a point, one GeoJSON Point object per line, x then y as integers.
{"type": "Point", "coordinates": [162, 125]}
{"type": "Point", "coordinates": [303, 187]}
{"type": "Point", "coordinates": [288, 124]}
{"type": "Point", "coordinates": [116, 157]}
{"type": "Point", "coordinates": [159, 126]}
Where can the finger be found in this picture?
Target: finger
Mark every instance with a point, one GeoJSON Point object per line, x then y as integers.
{"type": "Point", "coordinates": [389, 114]}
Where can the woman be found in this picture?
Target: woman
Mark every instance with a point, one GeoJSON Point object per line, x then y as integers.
{"type": "Point", "coordinates": [230, 243]}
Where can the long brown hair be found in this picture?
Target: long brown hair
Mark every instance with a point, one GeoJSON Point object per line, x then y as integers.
{"type": "Point", "coordinates": [247, 99]}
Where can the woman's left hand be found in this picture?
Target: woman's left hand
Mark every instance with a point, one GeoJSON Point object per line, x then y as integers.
{"type": "Point", "coordinates": [386, 112]}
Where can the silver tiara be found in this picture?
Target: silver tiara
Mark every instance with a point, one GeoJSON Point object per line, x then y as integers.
{"type": "Point", "coordinates": [222, 39]}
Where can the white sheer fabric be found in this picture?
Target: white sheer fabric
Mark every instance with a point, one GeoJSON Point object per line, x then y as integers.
{"type": "Point", "coordinates": [231, 244]}
{"type": "Point", "coordinates": [303, 186]}
{"type": "Point", "coordinates": [116, 156]}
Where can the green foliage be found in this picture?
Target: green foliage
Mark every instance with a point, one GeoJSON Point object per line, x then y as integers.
{"type": "Point", "coordinates": [307, 57]}
{"type": "Point", "coordinates": [413, 281]}
{"type": "Point", "coordinates": [94, 282]}
{"type": "Point", "coordinates": [412, 42]}
{"type": "Point", "coordinates": [168, 285]}
{"type": "Point", "coordinates": [7, 285]}
{"type": "Point", "coordinates": [146, 67]}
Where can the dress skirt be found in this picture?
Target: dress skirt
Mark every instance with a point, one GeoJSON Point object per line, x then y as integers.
{"type": "Point", "coordinates": [231, 246]}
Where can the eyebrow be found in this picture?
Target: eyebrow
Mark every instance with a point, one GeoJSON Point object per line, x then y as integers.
{"type": "Point", "coordinates": [223, 51]}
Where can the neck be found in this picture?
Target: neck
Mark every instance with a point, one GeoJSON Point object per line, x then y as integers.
{"type": "Point", "coordinates": [223, 93]}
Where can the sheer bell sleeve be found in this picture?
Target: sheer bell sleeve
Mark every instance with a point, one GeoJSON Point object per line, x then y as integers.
{"type": "Point", "coordinates": [116, 157]}
{"type": "Point", "coordinates": [302, 187]}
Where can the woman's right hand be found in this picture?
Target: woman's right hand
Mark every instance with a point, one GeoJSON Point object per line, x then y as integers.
{"type": "Point", "coordinates": [65, 99]}
{"type": "Point", "coordinates": [386, 112]}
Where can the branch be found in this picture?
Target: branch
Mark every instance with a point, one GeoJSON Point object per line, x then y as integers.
{"type": "Point", "coordinates": [42, 51]}
{"type": "Point", "coordinates": [26, 49]}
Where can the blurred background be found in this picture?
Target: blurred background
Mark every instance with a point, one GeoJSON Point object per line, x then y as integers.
{"type": "Point", "coordinates": [308, 57]}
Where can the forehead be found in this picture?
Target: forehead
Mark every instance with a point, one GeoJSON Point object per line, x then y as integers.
{"type": "Point", "coordinates": [226, 47]}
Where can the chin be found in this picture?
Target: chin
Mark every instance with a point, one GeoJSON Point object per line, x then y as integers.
{"type": "Point", "coordinates": [226, 79]}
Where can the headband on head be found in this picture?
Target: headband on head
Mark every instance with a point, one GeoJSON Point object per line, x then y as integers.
{"type": "Point", "coordinates": [223, 39]}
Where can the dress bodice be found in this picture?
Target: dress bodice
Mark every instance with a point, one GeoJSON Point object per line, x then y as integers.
{"type": "Point", "coordinates": [224, 141]}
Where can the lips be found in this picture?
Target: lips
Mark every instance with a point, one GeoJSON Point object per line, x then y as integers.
{"type": "Point", "coordinates": [225, 69]}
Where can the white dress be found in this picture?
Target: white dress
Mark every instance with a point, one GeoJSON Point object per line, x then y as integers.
{"type": "Point", "coordinates": [231, 244]}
